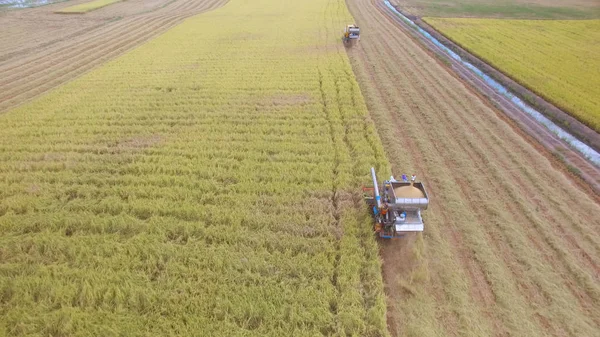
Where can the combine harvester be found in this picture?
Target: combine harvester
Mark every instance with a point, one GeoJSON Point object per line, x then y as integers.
{"type": "Point", "coordinates": [397, 206]}
{"type": "Point", "coordinates": [351, 34]}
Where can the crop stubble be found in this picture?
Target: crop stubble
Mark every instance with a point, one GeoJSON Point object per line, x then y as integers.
{"type": "Point", "coordinates": [511, 244]}
{"type": "Point", "coordinates": [41, 50]}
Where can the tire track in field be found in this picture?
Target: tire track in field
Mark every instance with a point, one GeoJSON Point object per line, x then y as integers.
{"type": "Point", "coordinates": [470, 122]}
{"type": "Point", "coordinates": [484, 139]}
{"type": "Point", "coordinates": [48, 67]}
{"type": "Point", "coordinates": [110, 15]}
{"type": "Point", "coordinates": [565, 210]}
{"type": "Point", "coordinates": [382, 86]}
{"type": "Point", "coordinates": [341, 123]}
{"type": "Point", "coordinates": [8, 53]}
{"type": "Point", "coordinates": [335, 202]}
{"type": "Point", "coordinates": [85, 53]}
{"type": "Point", "coordinates": [107, 33]}
{"type": "Point", "coordinates": [499, 188]}
{"type": "Point", "coordinates": [123, 28]}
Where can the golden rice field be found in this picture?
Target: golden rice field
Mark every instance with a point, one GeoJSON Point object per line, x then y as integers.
{"type": "Point", "coordinates": [206, 181]}
{"type": "Point", "coordinates": [87, 7]}
{"type": "Point", "coordinates": [556, 59]}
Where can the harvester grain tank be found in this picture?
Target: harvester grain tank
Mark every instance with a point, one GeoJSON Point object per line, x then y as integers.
{"type": "Point", "coordinates": [351, 34]}
{"type": "Point", "coordinates": [396, 206]}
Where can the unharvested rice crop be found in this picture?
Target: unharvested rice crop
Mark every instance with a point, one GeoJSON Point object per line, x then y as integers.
{"type": "Point", "coordinates": [87, 7]}
{"type": "Point", "coordinates": [556, 59]}
{"type": "Point", "coordinates": [205, 183]}
{"type": "Point", "coordinates": [502, 9]}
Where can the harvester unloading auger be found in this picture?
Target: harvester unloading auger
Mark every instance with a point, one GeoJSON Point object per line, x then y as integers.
{"type": "Point", "coordinates": [397, 206]}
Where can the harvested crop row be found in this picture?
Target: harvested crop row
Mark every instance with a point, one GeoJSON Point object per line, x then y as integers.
{"type": "Point", "coordinates": [206, 182]}
{"type": "Point", "coordinates": [30, 71]}
{"type": "Point", "coordinates": [511, 244]}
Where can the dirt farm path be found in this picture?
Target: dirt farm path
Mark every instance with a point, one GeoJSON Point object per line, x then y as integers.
{"type": "Point", "coordinates": [511, 245]}
{"type": "Point", "coordinates": [40, 50]}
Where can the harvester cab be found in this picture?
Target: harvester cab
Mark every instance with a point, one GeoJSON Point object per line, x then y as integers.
{"type": "Point", "coordinates": [351, 33]}
{"type": "Point", "coordinates": [396, 206]}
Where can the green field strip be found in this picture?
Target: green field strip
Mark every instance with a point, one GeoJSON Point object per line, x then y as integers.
{"type": "Point", "coordinates": [86, 7]}
{"type": "Point", "coordinates": [556, 59]}
{"type": "Point", "coordinates": [201, 184]}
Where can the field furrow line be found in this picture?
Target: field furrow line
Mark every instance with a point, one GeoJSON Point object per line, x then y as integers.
{"type": "Point", "coordinates": [107, 22]}
{"type": "Point", "coordinates": [499, 190]}
{"type": "Point", "coordinates": [140, 33]}
{"type": "Point", "coordinates": [108, 36]}
{"type": "Point", "coordinates": [105, 30]}
{"type": "Point", "coordinates": [179, 6]}
{"type": "Point", "coordinates": [53, 77]}
{"type": "Point", "coordinates": [414, 104]}
{"type": "Point", "coordinates": [588, 170]}
{"type": "Point", "coordinates": [7, 53]}
{"type": "Point", "coordinates": [185, 8]}
{"type": "Point", "coordinates": [65, 53]}
{"type": "Point", "coordinates": [204, 5]}
{"type": "Point", "coordinates": [62, 71]}
{"type": "Point", "coordinates": [334, 305]}
{"type": "Point", "coordinates": [471, 146]}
